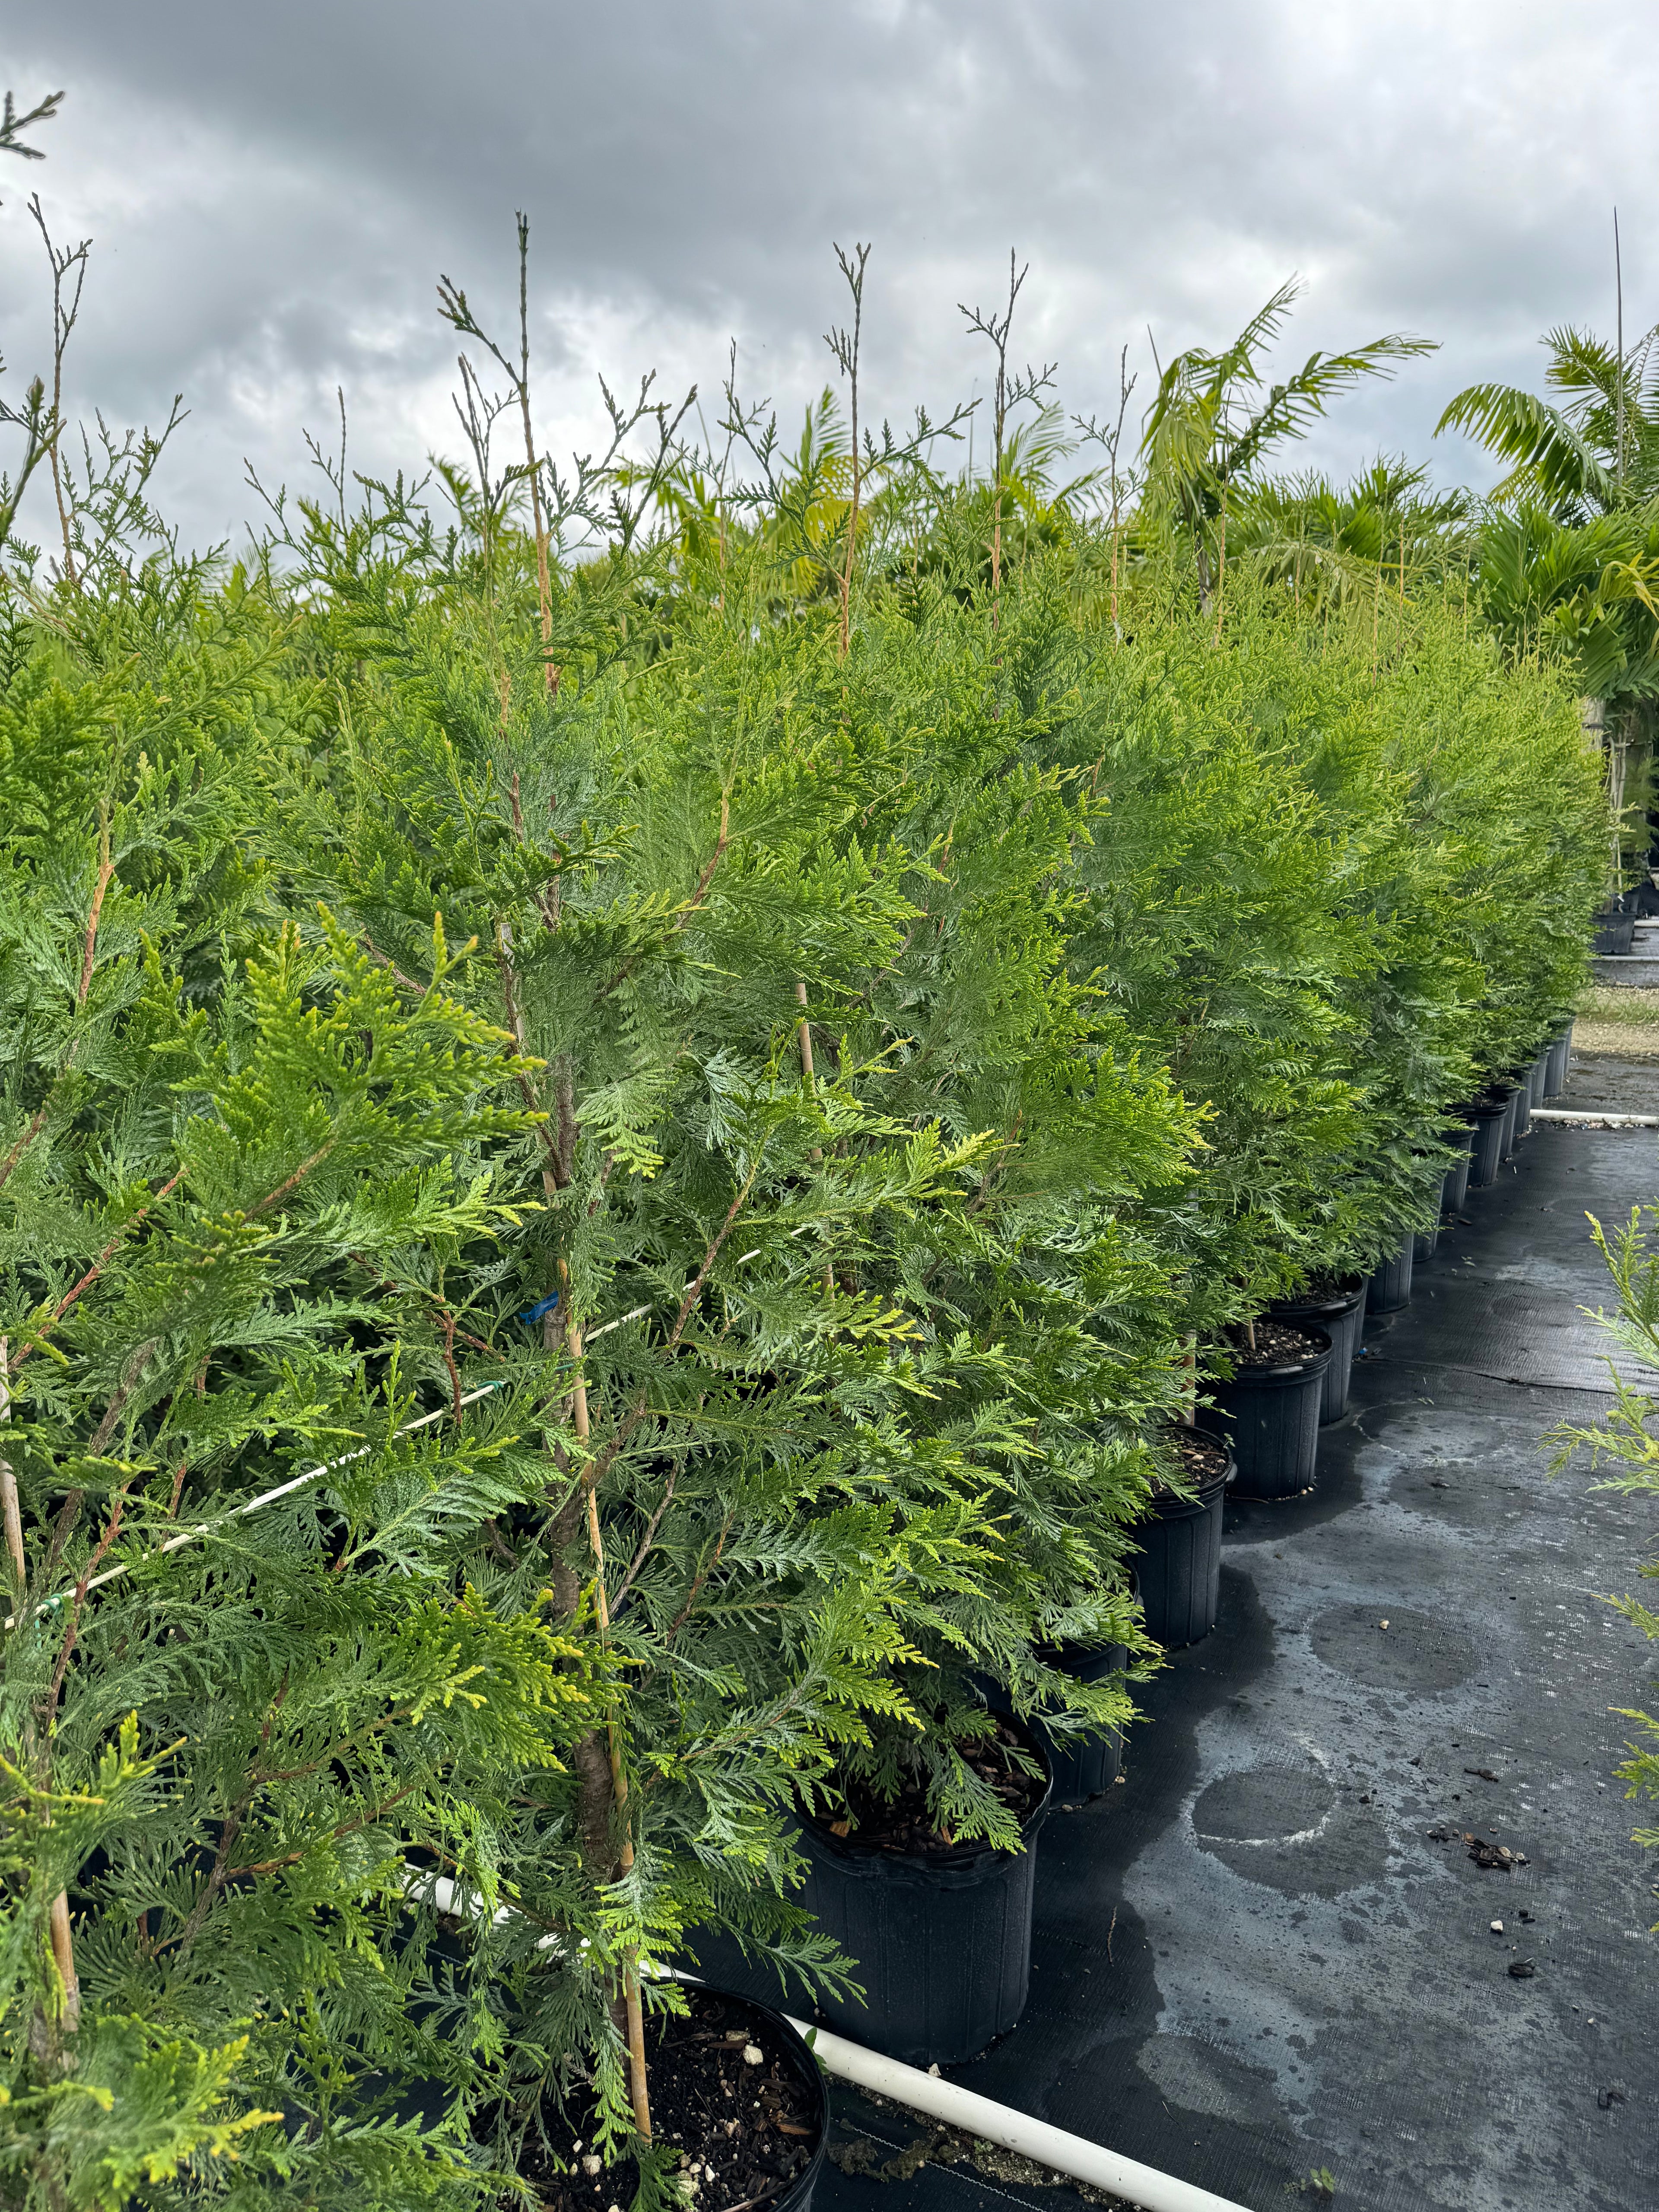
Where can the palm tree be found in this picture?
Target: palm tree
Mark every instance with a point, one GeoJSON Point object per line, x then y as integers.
{"type": "Point", "coordinates": [1209, 430]}
{"type": "Point", "coordinates": [1594, 449]}
{"type": "Point", "coordinates": [1589, 589]}
{"type": "Point", "coordinates": [1569, 552]}
{"type": "Point", "coordinates": [1329, 541]}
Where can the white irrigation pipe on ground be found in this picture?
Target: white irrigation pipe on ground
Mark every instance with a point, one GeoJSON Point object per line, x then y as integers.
{"type": "Point", "coordinates": [1586, 1117]}
{"type": "Point", "coordinates": [1074, 2156]}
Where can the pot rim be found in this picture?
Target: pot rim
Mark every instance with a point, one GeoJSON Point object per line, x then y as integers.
{"type": "Point", "coordinates": [1256, 1377]}
{"type": "Point", "coordinates": [956, 1858]}
{"type": "Point", "coordinates": [1339, 1306]}
{"type": "Point", "coordinates": [1166, 1502]}
{"type": "Point", "coordinates": [808, 2071]}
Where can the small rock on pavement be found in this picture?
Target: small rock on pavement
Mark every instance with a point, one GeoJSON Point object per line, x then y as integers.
{"type": "Point", "coordinates": [1494, 1855]}
{"type": "Point", "coordinates": [1606, 2099]}
{"type": "Point", "coordinates": [1497, 1927]}
{"type": "Point", "coordinates": [1522, 1970]}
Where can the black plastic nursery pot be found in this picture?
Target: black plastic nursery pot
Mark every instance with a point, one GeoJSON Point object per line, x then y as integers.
{"type": "Point", "coordinates": [1342, 1317]}
{"type": "Point", "coordinates": [1555, 1081]}
{"type": "Point", "coordinates": [1454, 1191]}
{"type": "Point", "coordinates": [1523, 1105]}
{"type": "Point", "coordinates": [1510, 1109]}
{"type": "Point", "coordinates": [1391, 1281]}
{"type": "Point", "coordinates": [1537, 1078]}
{"type": "Point", "coordinates": [1179, 1565]}
{"type": "Point", "coordinates": [1615, 931]}
{"type": "Point", "coordinates": [1489, 1116]}
{"type": "Point", "coordinates": [768, 2166]}
{"type": "Point", "coordinates": [1270, 1417]}
{"type": "Point", "coordinates": [1082, 1766]}
{"type": "Point", "coordinates": [1424, 1241]}
{"type": "Point", "coordinates": [942, 1940]}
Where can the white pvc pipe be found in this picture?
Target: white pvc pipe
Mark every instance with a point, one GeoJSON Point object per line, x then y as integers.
{"type": "Point", "coordinates": [1072, 2155]}
{"type": "Point", "coordinates": [1587, 1117]}
{"type": "Point", "coordinates": [299, 1481]}
{"type": "Point", "coordinates": [252, 1504]}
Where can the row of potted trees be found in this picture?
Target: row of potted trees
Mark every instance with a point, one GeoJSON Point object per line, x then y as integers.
{"type": "Point", "coordinates": [614, 1201]}
{"type": "Point", "coordinates": [949, 1937]}
{"type": "Point", "coordinates": [1279, 1398]}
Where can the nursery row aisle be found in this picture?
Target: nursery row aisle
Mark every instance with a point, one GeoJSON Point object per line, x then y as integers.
{"type": "Point", "coordinates": [1252, 1959]}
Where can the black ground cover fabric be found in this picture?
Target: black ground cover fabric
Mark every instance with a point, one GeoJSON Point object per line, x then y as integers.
{"type": "Point", "coordinates": [1253, 1959]}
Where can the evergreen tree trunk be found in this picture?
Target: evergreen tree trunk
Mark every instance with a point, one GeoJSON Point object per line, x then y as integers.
{"type": "Point", "coordinates": [602, 1784]}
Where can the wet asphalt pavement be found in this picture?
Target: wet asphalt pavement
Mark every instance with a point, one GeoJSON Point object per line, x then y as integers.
{"type": "Point", "coordinates": [1253, 1959]}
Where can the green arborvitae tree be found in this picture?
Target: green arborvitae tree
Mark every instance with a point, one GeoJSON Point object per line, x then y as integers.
{"type": "Point", "coordinates": [247, 1671]}
{"type": "Point", "coordinates": [745, 1493]}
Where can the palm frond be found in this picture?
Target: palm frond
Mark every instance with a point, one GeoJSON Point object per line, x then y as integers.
{"type": "Point", "coordinates": [1549, 457]}
{"type": "Point", "coordinates": [1292, 406]}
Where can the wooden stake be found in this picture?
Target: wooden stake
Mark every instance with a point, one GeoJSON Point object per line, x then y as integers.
{"type": "Point", "coordinates": [638, 2083]}
{"type": "Point", "coordinates": [8, 1504]}
{"type": "Point", "coordinates": [544, 579]}
{"type": "Point", "coordinates": [62, 1938]}
{"type": "Point", "coordinates": [1190, 1363]}
{"type": "Point", "coordinates": [1619, 294]}
{"type": "Point", "coordinates": [62, 1952]}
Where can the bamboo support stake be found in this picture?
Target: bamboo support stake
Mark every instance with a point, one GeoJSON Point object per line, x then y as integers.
{"type": "Point", "coordinates": [62, 1938]}
{"type": "Point", "coordinates": [544, 579]}
{"type": "Point", "coordinates": [8, 1504]}
{"type": "Point", "coordinates": [62, 1952]}
{"type": "Point", "coordinates": [1190, 1363]}
{"type": "Point", "coordinates": [638, 2083]}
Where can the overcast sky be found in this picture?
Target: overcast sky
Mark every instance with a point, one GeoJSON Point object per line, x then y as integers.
{"type": "Point", "coordinates": [274, 191]}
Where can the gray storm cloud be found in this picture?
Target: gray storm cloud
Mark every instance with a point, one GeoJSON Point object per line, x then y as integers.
{"type": "Point", "coordinates": [273, 193]}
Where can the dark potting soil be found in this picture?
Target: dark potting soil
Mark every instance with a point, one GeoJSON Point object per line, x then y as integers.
{"type": "Point", "coordinates": [1323, 1290]}
{"type": "Point", "coordinates": [723, 2090]}
{"type": "Point", "coordinates": [1277, 1345]}
{"type": "Point", "coordinates": [1201, 1462]}
{"type": "Point", "coordinates": [904, 1823]}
